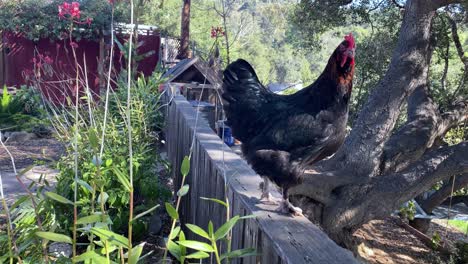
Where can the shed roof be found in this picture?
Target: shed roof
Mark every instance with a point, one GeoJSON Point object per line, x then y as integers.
{"type": "Point", "coordinates": [193, 70]}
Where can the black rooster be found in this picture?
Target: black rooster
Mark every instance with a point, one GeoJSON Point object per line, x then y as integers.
{"type": "Point", "coordinates": [282, 134]}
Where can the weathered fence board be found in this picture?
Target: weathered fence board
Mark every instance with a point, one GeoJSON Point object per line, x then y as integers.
{"type": "Point", "coordinates": [278, 238]}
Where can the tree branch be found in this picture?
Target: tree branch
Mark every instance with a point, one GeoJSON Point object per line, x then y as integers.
{"type": "Point", "coordinates": [385, 194]}
{"type": "Point", "coordinates": [439, 196]}
{"type": "Point", "coordinates": [425, 125]}
{"type": "Point", "coordinates": [408, 70]}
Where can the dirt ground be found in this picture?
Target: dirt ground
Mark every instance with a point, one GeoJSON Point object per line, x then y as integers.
{"type": "Point", "coordinates": [28, 152]}
{"type": "Point", "coordinates": [385, 242]}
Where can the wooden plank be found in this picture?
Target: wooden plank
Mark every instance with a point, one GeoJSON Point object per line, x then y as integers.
{"type": "Point", "coordinates": [280, 238]}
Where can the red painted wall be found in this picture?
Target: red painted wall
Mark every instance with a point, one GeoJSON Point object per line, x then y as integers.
{"type": "Point", "coordinates": [55, 63]}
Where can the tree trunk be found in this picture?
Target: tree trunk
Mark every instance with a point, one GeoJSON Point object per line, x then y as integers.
{"type": "Point", "coordinates": [184, 51]}
{"type": "Point", "coordinates": [374, 172]}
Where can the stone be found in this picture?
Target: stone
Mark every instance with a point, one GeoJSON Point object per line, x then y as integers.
{"type": "Point", "coordinates": [155, 224]}
{"type": "Point", "coordinates": [58, 249]}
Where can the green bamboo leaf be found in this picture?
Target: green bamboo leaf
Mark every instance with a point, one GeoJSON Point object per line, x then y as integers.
{"type": "Point", "coordinates": [23, 171]}
{"type": "Point", "coordinates": [183, 191]}
{"type": "Point", "coordinates": [108, 162]}
{"type": "Point", "coordinates": [183, 250]}
{"type": "Point", "coordinates": [110, 236]}
{"type": "Point", "coordinates": [145, 212]}
{"type": "Point", "coordinates": [174, 249]}
{"type": "Point", "coordinates": [58, 198]}
{"type": "Point", "coordinates": [135, 253]}
{"type": "Point", "coordinates": [215, 200]}
{"type": "Point", "coordinates": [92, 255]}
{"type": "Point", "coordinates": [224, 229]}
{"type": "Point", "coordinates": [102, 196]}
{"type": "Point", "coordinates": [93, 139]}
{"type": "Point", "coordinates": [92, 219]}
{"type": "Point", "coordinates": [247, 217]}
{"type": "Point", "coordinates": [196, 245]}
{"type": "Point", "coordinates": [210, 229]}
{"type": "Point", "coordinates": [198, 255]}
{"type": "Point", "coordinates": [54, 237]}
{"type": "Point", "coordinates": [85, 185]}
{"type": "Point", "coordinates": [21, 200]}
{"type": "Point", "coordinates": [122, 178]}
{"type": "Point", "coordinates": [246, 252]}
{"type": "Point", "coordinates": [175, 232]}
{"type": "Point", "coordinates": [185, 168]}
{"type": "Point", "coordinates": [198, 230]}
{"type": "Point", "coordinates": [172, 211]}
{"type": "Point", "coordinates": [110, 249]}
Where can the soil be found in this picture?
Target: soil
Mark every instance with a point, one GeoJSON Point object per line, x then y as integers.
{"type": "Point", "coordinates": [385, 242]}
{"type": "Point", "coordinates": [25, 153]}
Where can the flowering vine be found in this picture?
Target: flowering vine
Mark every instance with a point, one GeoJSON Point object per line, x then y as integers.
{"type": "Point", "coordinates": [217, 32]}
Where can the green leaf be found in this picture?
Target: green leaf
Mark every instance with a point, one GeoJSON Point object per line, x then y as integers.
{"type": "Point", "coordinates": [210, 229]}
{"type": "Point", "coordinates": [54, 237]}
{"type": "Point", "coordinates": [22, 172]}
{"type": "Point", "coordinates": [110, 236]}
{"type": "Point", "coordinates": [196, 245]}
{"type": "Point", "coordinates": [198, 255]}
{"type": "Point", "coordinates": [185, 168]}
{"type": "Point", "coordinates": [175, 232]}
{"type": "Point", "coordinates": [110, 248]}
{"type": "Point", "coordinates": [224, 229]}
{"type": "Point", "coordinates": [198, 230]}
{"type": "Point", "coordinates": [58, 198]}
{"type": "Point", "coordinates": [85, 185]}
{"type": "Point", "coordinates": [145, 212]}
{"type": "Point", "coordinates": [122, 178]}
{"type": "Point", "coordinates": [183, 191]}
{"type": "Point", "coordinates": [240, 253]}
{"type": "Point", "coordinates": [104, 196]}
{"type": "Point", "coordinates": [215, 200]}
{"type": "Point", "coordinates": [247, 217]}
{"type": "Point", "coordinates": [108, 162]}
{"type": "Point", "coordinates": [174, 249]}
{"type": "Point", "coordinates": [135, 253]}
{"type": "Point", "coordinates": [92, 219]}
{"type": "Point", "coordinates": [93, 139]}
{"type": "Point", "coordinates": [20, 201]}
{"type": "Point", "coordinates": [172, 211]}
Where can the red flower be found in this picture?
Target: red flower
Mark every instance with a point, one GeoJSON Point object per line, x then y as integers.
{"type": "Point", "coordinates": [75, 9]}
{"type": "Point", "coordinates": [217, 32]}
{"type": "Point", "coordinates": [72, 9]}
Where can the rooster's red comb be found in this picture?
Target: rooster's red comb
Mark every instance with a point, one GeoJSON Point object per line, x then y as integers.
{"type": "Point", "coordinates": [350, 40]}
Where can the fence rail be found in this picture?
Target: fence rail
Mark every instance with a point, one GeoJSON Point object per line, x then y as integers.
{"type": "Point", "coordinates": [217, 171]}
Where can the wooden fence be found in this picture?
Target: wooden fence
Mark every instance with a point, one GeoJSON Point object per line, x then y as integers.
{"type": "Point", "coordinates": [216, 171]}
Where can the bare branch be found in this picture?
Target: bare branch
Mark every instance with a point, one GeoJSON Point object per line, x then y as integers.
{"type": "Point", "coordinates": [443, 193]}
{"type": "Point", "coordinates": [456, 40]}
{"type": "Point", "coordinates": [385, 194]}
{"type": "Point", "coordinates": [408, 70]}
{"type": "Point", "coordinates": [425, 125]}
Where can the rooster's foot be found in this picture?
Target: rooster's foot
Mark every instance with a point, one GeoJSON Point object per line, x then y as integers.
{"type": "Point", "coordinates": [287, 208]}
{"type": "Point", "coordinates": [267, 198]}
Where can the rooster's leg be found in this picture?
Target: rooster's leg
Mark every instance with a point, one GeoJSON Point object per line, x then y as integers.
{"type": "Point", "coordinates": [266, 197]}
{"type": "Point", "coordinates": [286, 207]}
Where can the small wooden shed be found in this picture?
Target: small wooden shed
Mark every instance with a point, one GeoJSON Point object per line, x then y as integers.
{"type": "Point", "coordinates": [197, 82]}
